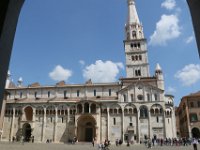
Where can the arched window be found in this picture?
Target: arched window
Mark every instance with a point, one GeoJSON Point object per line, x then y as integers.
{"type": "Point", "coordinates": [79, 107]}
{"type": "Point", "coordinates": [110, 92]}
{"type": "Point", "coordinates": [125, 99]}
{"type": "Point", "coordinates": [148, 97]}
{"type": "Point", "coordinates": [140, 57]}
{"type": "Point", "coordinates": [20, 94]}
{"type": "Point", "coordinates": [128, 36]}
{"type": "Point", "coordinates": [86, 107]}
{"type": "Point", "coordinates": [143, 112]}
{"type": "Point", "coordinates": [49, 94]}
{"type": "Point", "coordinates": [65, 94]}
{"type": "Point", "coordinates": [133, 58]}
{"type": "Point", "coordinates": [136, 57]}
{"type": "Point", "coordinates": [77, 93]}
{"type": "Point", "coordinates": [134, 34]}
{"type": "Point", "coordinates": [93, 108]}
{"type": "Point", "coordinates": [156, 97]}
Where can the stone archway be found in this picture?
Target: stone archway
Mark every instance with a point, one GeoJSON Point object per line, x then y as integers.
{"type": "Point", "coordinates": [196, 133]}
{"type": "Point", "coordinates": [26, 132]}
{"type": "Point", "coordinates": [86, 128]}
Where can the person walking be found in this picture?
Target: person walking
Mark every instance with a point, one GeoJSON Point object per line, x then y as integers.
{"type": "Point", "coordinates": [93, 142]}
{"type": "Point", "coordinates": [194, 143]}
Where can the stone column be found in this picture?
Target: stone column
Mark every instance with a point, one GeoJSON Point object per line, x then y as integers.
{"type": "Point", "coordinates": [89, 108]}
{"type": "Point", "coordinates": [55, 124]}
{"type": "Point", "coordinates": [83, 109]}
{"type": "Point", "coordinates": [123, 125]}
{"type": "Point", "coordinates": [100, 126]}
{"type": "Point", "coordinates": [173, 124]}
{"type": "Point", "coordinates": [44, 126]}
{"type": "Point", "coordinates": [12, 125]}
{"type": "Point", "coordinates": [68, 114]}
{"type": "Point", "coordinates": [150, 127]}
{"type": "Point", "coordinates": [138, 126]}
{"type": "Point", "coordinates": [108, 123]}
{"type": "Point", "coordinates": [164, 125]}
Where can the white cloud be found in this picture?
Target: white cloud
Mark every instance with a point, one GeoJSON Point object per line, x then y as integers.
{"type": "Point", "coordinates": [189, 39]}
{"type": "Point", "coordinates": [102, 71]}
{"type": "Point", "coordinates": [171, 89]}
{"type": "Point", "coordinates": [167, 28]}
{"type": "Point", "coordinates": [189, 75]}
{"type": "Point", "coordinates": [82, 62]}
{"type": "Point", "coordinates": [59, 73]}
{"type": "Point", "coordinates": [169, 4]}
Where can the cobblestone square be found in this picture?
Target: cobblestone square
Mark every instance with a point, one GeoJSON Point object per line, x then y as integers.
{"type": "Point", "coordinates": [81, 146]}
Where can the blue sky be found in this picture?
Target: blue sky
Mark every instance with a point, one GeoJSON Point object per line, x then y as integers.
{"type": "Point", "coordinates": [77, 40]}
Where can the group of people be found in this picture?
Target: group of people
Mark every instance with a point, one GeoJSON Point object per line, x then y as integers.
{"type": "Point", "coordinates": [23, 139]}
{"type": "Point", "coordinates": [172, 142]}
{"type": "Point", "coordinates": [104, 146]}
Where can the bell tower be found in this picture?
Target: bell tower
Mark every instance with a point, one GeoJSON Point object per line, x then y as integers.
{"type": "Point", "coordinates": [135, 45]}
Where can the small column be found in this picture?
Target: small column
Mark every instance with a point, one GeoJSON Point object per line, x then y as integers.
{"type": "Point", "coordinates": [68, 114]}
{"type": "Point", "coordinates": [173, 124]}
{"type": "Point", "coordinates": [83, 109]}
{"type": "Point", "coordinates": [44, 126]}
{"type": "Point", "coordinates": [138, 126]}
{"type": "Point", "coordinates": [89, 108]}
{"type": "Point", "coordinates": [108, 123]}
{"type": "Point", "coordinates": [12, 125]}
{"type": "Point", "coordinates": [164, 124]}
{"type": "Point", "coordinates": [55, 124]}
{"type": "Point", "coordinates": [100, 126]}
{"type": "Point", "coordinates": [150, 127]}
{"type": "Point", "coordinates": [123, 125]}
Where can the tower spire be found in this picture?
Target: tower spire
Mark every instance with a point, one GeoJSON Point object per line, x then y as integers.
{"type": "Point", "coordinates": [135, 45]}
{"type": "Point", "coordinates": [132, 13]}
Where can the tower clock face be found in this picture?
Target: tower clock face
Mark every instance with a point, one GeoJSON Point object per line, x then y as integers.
{"type": "Point", "coordinates": [140, 97]}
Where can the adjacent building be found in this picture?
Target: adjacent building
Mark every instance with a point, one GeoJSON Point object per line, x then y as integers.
{"type": "Point", "coordinates": [135, 108]}
{"type": "Point", "coordinates": [188, 116]}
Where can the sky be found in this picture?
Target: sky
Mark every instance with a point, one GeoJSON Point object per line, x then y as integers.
{"type": "Point", "coordinates": [78, 40]}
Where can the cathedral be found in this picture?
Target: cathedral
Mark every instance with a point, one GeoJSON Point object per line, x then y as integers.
{"type": "Point", "coordinates": [134, 109]}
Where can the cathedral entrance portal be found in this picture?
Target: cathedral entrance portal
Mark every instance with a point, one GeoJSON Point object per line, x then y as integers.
{"type": "Point", "coordinates": [26, 132]}
{"type": "Point", "coordinates": [86, 130]}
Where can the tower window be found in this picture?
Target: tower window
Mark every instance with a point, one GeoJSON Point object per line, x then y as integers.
{"type": "Point", "coordinates": [20, 94]}
{"type": "Point", "coordinates": [140, 57]}
{"type": "Point", "coordinates": [114, 121]}
{"type": "Point", "coordinates": [132, 45]}
{"type": "Point", "coordinates": [157, 119]}
{"type": "Point", "coordinates": [148, 97]}
{"type": "Point", "coordinates": [49, 93]}
{"type": "Point", "coordinates": [65, 94]}
{"type": "Point", "coordinates": [78, 93]}
{"type": "Point", "coordinates": [133, 57]}
{"type": "Point", "coordinates": [134, 34]}
{"type": "Point", "coordinates": [130, 119]}
{"type": "Point", "coordinates": [110, 92]}
{"type": "Point", "coordinates": [138, 45]}
{"type": "Point", "coordinates": [35, 94]}
{"type": "Point", "coordinates": [137, 73]}
{"type": "Point", "coordinates": [136, 57]}
{"type": "Point", "coordinates": [95, 92]}
{"type": "Point", "coordinates": [156, 97]}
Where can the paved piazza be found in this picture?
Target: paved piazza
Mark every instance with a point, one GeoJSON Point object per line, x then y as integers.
{"type": "Point", "coordinates": [35, 146]}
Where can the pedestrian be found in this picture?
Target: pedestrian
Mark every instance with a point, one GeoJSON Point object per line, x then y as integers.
{"type": "Point", "coordinates": [93, 142]}
{"type": "Point", "coordinates": [195, 142]}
